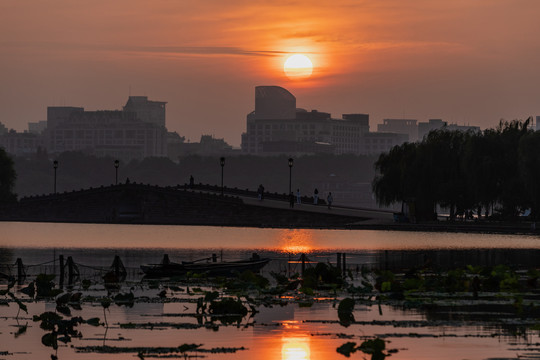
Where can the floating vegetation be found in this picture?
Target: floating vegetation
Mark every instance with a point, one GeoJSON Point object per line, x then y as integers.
{"type": "Point", "coordinates": [158, 350]}
{"type": "Point", "coordinates": [374, 347]}
{"type": "Point", "coordinates": [500, 300]}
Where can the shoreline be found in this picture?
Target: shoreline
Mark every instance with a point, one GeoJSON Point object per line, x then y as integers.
{"type": "Point", "coordinates": [472, 228]}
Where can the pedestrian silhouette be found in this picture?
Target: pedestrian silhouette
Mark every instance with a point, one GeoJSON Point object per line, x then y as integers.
{"type": "Point", "coordinates": [191, 181]}
{"type": "Point", "coordinates": [291, 200]}
{"type": "Point", "coordinates": [298, 197]}
{"type": "Point", "coordinates": [315, 196]}
{"type": "Point", "coordinates": [329, 200]}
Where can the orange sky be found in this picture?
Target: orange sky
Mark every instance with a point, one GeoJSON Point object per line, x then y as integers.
{"type": "Point", "coordinates": [464, 61]}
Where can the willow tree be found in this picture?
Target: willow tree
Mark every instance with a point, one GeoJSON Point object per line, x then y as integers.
{"type": "Point", "coordinates": [511, 190]}
{"type": "Point", "coordinates": [529, 155]}
{"type": "Point", "coordinates": [403, 176]}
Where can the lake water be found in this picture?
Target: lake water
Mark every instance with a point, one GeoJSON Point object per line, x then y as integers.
{"type": "Point", "coordinates": [290, 331]}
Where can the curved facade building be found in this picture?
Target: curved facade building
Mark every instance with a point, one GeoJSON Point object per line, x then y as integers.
{"type": "Point", "coordinates": [274, 103]}
{"type": "Point", "coordinates": [278, 127]}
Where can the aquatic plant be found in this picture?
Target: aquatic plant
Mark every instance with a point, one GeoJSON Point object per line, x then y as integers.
{"type": "Point", "coordinates": [374, 347]}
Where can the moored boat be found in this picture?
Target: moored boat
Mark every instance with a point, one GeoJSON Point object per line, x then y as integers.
{"type": "Point", "coordinates": [211, 268]}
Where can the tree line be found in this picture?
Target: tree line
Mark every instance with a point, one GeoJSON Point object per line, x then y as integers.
{"type": "Point", "coordinates": [495, 172]}
{"type": "Point", "coordinates": [76, 170]}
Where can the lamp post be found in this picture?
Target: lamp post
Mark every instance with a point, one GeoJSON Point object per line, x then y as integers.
{"type": "Point", "coordinates": [222, 163]}
{"type": "Point", "coordinates": [55, 166]}
{"type": "Point", "coordinates": [116, 165]}
{"type": "Point", "coordinates": [291, 162]}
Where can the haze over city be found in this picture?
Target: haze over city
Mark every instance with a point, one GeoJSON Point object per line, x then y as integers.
{"type": "Point", "coordinates": [467, 62]}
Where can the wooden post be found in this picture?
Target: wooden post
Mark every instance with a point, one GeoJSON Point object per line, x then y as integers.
{"type": "Point", "coordinates": [70, 270]}
{"type": "Point", "coordinates": [165, 260]}
{"type": "Point", "coordinates": [20, 271]}
{"type": "Point", "coordinates": [61, 280]}
{"type": "Point", "coordinates": [116, 264]}
{"type": "Point", "coordinates": [303, 258]}
{"type": "Point", "coordinates": [338, 265]}
{"type": "Point", "coordinates": [289, 266]}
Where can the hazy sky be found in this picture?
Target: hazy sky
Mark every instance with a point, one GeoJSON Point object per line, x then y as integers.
{"type": "Point", "coordinates": [465, 61]}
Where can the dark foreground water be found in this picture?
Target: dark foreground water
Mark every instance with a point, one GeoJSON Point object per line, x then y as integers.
{"type": "Point", "coordinates": [293, 328]}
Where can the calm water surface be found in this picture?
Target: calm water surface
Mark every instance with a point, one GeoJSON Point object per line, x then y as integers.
{"type": "Point", "coordinates": [50, 235]}
{"type": "Point", "coordinates": [286, 332]}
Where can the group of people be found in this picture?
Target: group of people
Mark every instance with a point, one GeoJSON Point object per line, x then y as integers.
{"type": "Point", "coordinates": [329, 198]}
{"type": "Point", "coordinates": [260, 195]}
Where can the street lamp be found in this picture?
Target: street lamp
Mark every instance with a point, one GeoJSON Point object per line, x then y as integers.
{"type": "Point", "coordinates": [116, 165]}
{"type": "Point", "coordinates": [291, 161]}
{"type": "Point", "coordinates": [222, 163]}
{"type": "Point", "coordinates": [55, 166]}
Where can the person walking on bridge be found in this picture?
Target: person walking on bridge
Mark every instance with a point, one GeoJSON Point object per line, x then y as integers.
{"type": "Point", "coordinates": [329, 200]}
{"type": "Point", "coordinates": [291, 200]}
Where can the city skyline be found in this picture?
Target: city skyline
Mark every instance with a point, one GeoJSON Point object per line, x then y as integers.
{"type": "Point", "coordinates": [467, 63]}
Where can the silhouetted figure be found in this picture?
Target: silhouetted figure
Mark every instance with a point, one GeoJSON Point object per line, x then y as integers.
{"type": "Point", "coordinates": [127, 181]}
{"type": "Point", "coordinates": [329, 200]}
{"type": "Point", "coordinates": [315, 196]}
{"type": "Point", "coordinates": [260, 192]}
{"type": "Point", "coordinates": [191, 181]}
{"type": "Point", "coordinates": [298, 197]}
{"type": "Point", "coordinates": [291, 200]}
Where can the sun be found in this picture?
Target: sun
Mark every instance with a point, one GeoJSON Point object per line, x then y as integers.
{"type": "Point", "coordinates": [298, 66]}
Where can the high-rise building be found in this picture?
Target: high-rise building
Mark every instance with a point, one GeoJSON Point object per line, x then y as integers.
{"type": "Point", "coordinates": [274, 103]}
{"type": "Point", "coordinates": [277, 126]}
{"type": "Point", "coordinates": [425, 127]}
{"type": "Point", "coordinates": [152, 112]}
{"type": "Point", "coordinates": [37, 127]}
{"type": "Point", "coordinates": [136, 132]}
{"type": "Point", "coordinates": [21, 144]}
{"type": "Point", "coordinates": [379, 142]}
{"type": "Point", "coordinates": [400, 126]}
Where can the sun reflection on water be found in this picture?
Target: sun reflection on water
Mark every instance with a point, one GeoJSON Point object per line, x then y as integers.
{"type": "Point", "coordinates": [296, 241]}
{"type": "Point", "coordinates": [295, 348]}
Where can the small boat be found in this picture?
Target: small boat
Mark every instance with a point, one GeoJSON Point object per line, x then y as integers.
{"type": "Point", "coordinates": [212, 268]}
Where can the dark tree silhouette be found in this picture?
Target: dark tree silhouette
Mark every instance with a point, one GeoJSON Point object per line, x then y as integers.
{"type": "Point", "coordinates": [498, 168]}
{"type": "Point", "coordinates": [7, 178]}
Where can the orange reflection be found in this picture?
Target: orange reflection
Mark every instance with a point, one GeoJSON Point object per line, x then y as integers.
{"type": "Point", "coordinates": [295, 348]}
{"type": "Point", "coordinates": [296, 241]}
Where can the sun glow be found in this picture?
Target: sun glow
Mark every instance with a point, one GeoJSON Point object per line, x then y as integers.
{"type": "Point", "coordinates": [296, 241]}
{"type": "Point", "coordinates": [298, 66]}
{"type": "Point", "coordinates": [295, 349]}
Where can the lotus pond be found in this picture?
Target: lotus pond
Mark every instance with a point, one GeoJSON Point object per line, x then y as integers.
{"type": "Point", "coordinates": [413, 302]}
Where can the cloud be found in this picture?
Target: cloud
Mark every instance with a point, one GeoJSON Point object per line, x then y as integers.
{"type": "Point", "coordinates": [186, 50]}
